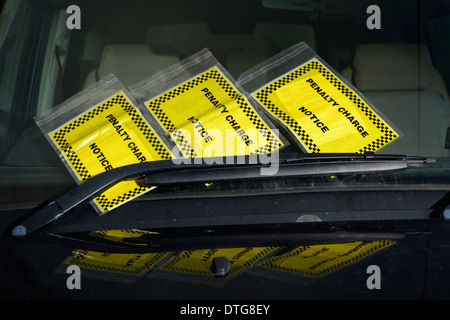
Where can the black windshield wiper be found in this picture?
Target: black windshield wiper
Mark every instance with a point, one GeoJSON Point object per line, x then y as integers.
{"type": "Point", "coordinates": [165, 172]}
{"type": "Point", "coordinates": [298, 165]}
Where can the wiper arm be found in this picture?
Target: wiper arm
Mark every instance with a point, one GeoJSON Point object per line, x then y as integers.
{"type": "Point", "coordinates": [164, 172]}
{"type": "Point", "coordinates": [298, 165]}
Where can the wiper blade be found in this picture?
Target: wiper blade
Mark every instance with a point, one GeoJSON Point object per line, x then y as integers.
{"type": "Point", "coordinates": [164, 172]}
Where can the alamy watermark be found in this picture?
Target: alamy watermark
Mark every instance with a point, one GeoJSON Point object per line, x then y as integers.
{"type": "Point", "coordinates": [74, 280]}
{"type": "Point", "coordinates": [74, 20]}
{"type": "Point", "coordinates": [372, 22]}
{"type": "Point", "coordinates": [219, 144]}
{"type": "Point", "coordinates": [374, 280]}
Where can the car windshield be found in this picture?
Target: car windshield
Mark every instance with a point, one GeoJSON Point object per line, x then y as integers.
{"type": "Point", "coordinates": [387, 58]}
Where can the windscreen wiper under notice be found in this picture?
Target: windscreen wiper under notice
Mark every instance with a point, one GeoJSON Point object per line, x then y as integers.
{"type": "Point", "coordinates": [237, 168]}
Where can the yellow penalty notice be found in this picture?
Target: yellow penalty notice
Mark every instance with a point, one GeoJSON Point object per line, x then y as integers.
{"type": "Point", "coordinates": [109, 135]}
{"type": "Point", "coordinates": [323, 113]}
{"type": "Point", "coordinates": [207, 117]}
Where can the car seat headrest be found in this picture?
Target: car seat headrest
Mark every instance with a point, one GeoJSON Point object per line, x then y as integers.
{"type": "Point", "coordinates": [384, 67]}
{"type": "Point", "coordinates": [134, 62]}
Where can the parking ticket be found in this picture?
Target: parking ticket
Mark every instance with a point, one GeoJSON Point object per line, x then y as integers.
{"type": "Point", "coordinates": [200, 106]}
{"type": "Point", "coordinates": [111, 134]}
{"type": "Point", "coordinates": [207, 117]}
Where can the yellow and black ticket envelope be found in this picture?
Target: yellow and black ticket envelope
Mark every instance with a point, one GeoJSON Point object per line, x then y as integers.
{"type": "Point", "coordinates": [204, 112]}
{"type": "Point", "coordinates": [105, 135]}
{"type": "Point", "coordinates": [317, 107]}
{"type": "Point", "coordinates": [135, 264]}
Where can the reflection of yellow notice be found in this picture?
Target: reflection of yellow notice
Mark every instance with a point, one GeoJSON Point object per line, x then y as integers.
{"type": "Point", "coordinates": [319, 260]}
{"type": "Point", "coordinates": [207, 117]}
{"type": "Point", "coordinates": [109, 135]}
{"type": "Point", "coordinates": [323, 113]}
{"type": "Point", "coordinates": [133, 264]}
{"type": "Point", "coordinates": [199, 261]}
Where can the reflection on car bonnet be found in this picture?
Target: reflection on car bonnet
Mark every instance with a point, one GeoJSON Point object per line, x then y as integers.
{"type": "Point", "coordinates": [315, 105]}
